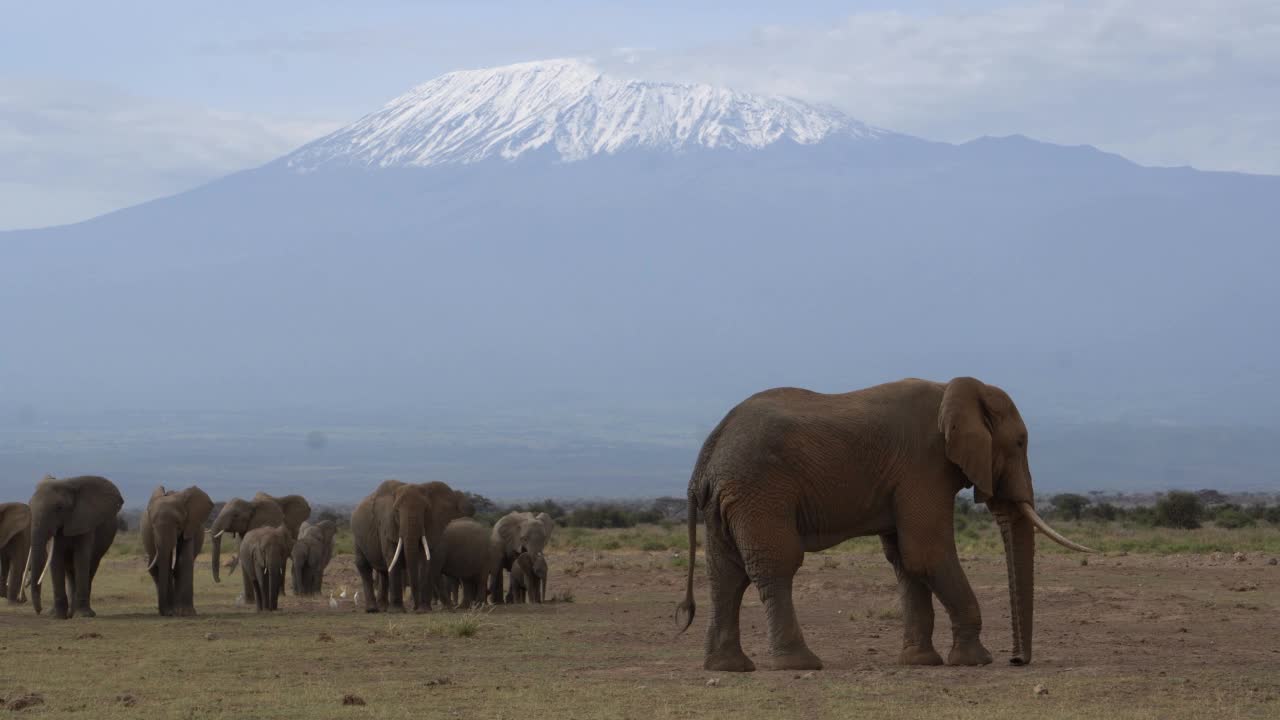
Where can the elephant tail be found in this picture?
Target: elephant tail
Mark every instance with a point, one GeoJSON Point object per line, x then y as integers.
{"type": "Point", "coordinates": [687, 607]}
{"type": "Point", "coordinates": [699, 490]}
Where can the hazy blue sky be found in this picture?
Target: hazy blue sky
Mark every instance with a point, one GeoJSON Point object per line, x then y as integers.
{"type": "Point", "coordinates": [103, 105]}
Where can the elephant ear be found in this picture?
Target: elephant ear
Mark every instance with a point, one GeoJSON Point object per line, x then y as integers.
{"type": "Point", "coordinates": [296, 510]}
{"type": "Point", "coordinates": [198, 506]}
{"type": "Point", "coordinates": [963, 420]}
{"type": "Point", "coordinates": [14, 518]}
{"type": "Point", "coordinates": [95, 501]}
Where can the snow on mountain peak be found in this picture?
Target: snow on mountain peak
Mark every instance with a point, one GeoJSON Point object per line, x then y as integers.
{"type": "Point", "coordinates": [472, 115]}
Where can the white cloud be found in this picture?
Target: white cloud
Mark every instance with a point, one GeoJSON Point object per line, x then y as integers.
{"type": "Point", "coordinates": [1161, 81]}
{"type": "Point", "coordinates": [71, 151]}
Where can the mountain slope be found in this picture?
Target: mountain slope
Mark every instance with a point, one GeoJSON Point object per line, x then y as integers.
{"type": "Point", "coordinates": [664, 283]}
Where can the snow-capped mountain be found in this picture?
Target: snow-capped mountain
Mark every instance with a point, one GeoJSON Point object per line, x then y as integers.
{"type": "Point", "coordinates": [572, 108]}
{"type": "Point", "coordinates": [656, 253]}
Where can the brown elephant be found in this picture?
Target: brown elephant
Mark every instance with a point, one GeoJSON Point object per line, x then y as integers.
{"type": "Point", "coordinates": [172, 530]}
{"type": "Point", "coordinates": [311, 555]}
{"type": "Point", "coordinates": [516, 533]}
{"type": "Point", "coordinates": [15, 546]}
{"type": "Point", "coordinates": [73, 523]}
{"type": "Point", "coordinates": [240, 516]}
{"type": "Point", "coordinates": [394, 529]}
{"type": "Point", "coordinates": [790, 471]}
{"type": "Point", "coordinates": [467, 556]}
{"type": "Point", "coordinates": [264, 555]}
{"type": "Point", "coordinates": [528, 578]}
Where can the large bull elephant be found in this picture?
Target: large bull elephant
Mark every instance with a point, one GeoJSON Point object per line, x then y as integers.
{"type": "Point", "coordinates": [15, 544]}
{"type": "Point", "coordinates": [73, 523]}
{"type": "Point", "coordinates": [240, 516]}
{"type": "Point", "coordinates": [311, 555]}
{"type": "Point", "coordinates": [514, 534]}
{"type": "Point", "coordinates": [790, 471]}
{"type": "Point", "coordinates": [394, 529]}
{"type": "Point", "coordinates": [172, 530]}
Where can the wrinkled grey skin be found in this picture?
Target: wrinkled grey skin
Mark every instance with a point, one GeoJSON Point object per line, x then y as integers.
{"type": "Point", "coordinates": [15, 543]}
{"type": "Point", "coordinates": [73, 523]}
{"type": "Point", "coordinates": [516, 533]}
{"type": "Point", "coordinates": [467, 555]}
{"type": "Point", "coordinates": [172, 531]}
{"type": "Point", "coordinates": [528, 579]}
{"type": "Point", "coordinates": [264, 553]}
{"type": "Point", "coordinates": [311, 555]}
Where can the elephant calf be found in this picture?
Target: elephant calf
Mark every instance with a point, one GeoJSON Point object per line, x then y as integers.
{"type": "Point", "coordinates": [468, 554]}
{"type": "Point", "coordinates": [528, 578]}
{"type": "Point", "coordinates": [264, 552]}
{"type": "Point", "coordinates": [311, 555]}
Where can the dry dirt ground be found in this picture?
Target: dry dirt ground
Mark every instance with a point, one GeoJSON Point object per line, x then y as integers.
{"type": "Point", "coordinates": [1127, 636]}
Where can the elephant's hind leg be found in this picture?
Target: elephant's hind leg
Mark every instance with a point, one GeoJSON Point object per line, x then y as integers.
{"type": "Point", "coordinates": [728, 582]}
{"type": "Point", "coordinates": [917, 610]}
{"type": "Point", "coordinates": [773, 554]}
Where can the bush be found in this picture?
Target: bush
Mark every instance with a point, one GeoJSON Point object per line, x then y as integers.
{"type": "Point", "coordinates": [1069, 505]}
{"type": "Point", "coordinates": [1232, 519]}
{"type": "Point", "coordinates": [1179, 510]}
{"type": "Point", "coordinates": [1106, 512]}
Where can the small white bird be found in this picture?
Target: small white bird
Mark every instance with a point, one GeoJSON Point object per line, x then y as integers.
{"type": "Point", "coordinates": [333, 602]}
{"type": "Point", "coordinates": [356, 598]}
{"type": "Point", "coordinates": [342, 594]}
{"type": "Point", "coordinates": [240, 600]}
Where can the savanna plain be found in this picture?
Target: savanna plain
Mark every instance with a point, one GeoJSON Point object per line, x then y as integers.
{"type": "Point", "coordinates": [1160, 623]}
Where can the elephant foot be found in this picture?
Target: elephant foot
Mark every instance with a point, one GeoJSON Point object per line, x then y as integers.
{"type": "Point", "coordinates": [184, 612]}
{"type": "Point", "coordinates": [971, 653]}
{"type": "Point", "coordinates": [729, 662]}
{"type": "Point", "coordinates": [372, 609]}
{"type": "Point", "coordinates": [913, 655]}
{"type": "Point", "coordinates": [16, 601]}
{"type": "Point", "coordinates": [87, 612]}
{"type": "Point", "coordinates": [802, 659]}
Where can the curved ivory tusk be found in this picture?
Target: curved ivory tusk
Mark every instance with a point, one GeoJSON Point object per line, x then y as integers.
{"type": "Point", "coordinates": [47, 563]}
{"type": "Point", "coordinates": [218, 534]}
{"type": "Point", "coordinates": [426, 548]}
{"type": "Point", "coordinates": [26, 569]}
{"type": "Point", "coordinates": [1052, 534]}
{"type": "Point", "coordinates": [396, 557]}
{"type": "Point", "coordinates": [153, 561]}
{"type": "Point", "coordinates": [173, 563]}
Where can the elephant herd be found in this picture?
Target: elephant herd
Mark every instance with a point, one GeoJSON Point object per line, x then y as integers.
{"type": "Point", "coordinates": [422, 537]}
{"type": "Point", "coordinates": [786, 472]}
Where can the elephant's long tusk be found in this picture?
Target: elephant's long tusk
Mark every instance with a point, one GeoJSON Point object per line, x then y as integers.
{"type": "Point", "coordinates": [1052, 534]}
{"type": "Point", "coordinates": [173, 562]}
{"type": "Point", "coordinates": [153, 561]}
{"type": "Point", "coordinates": [47, 563]}
{"type": "Point", "coordinates": [395, 558]}
{"type": "Point", "coordinates": [218, 534]}
{"type": "Point", "coordinates": [26, 571]}
{"type": "Point", "coordinates": [426, 548]}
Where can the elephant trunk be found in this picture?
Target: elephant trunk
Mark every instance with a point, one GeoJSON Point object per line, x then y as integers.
{"type": "Point", "coordinates": [217, 554]}
{"type": "Point", "coordinates": [38, 566]}
{"type": "Point", "coordinates": [417, 553]}
{"type": "Point", "coordinates": [1018, 533]}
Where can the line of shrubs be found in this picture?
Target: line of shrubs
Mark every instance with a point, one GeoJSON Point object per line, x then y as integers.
{"type": "Point", "coordinates": [1176, 509]}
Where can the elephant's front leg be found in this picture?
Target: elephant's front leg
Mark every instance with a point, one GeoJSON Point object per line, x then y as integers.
{"type": "Point", "coordinates": [58, 578]}
{"type": "Point", "coordinates": [82, 577]}
{"type": "Point", "coordinates": [917, 610]}
{"type": "Point", "coordinates": [952, 588]}
{"type": "Point", "coordinates": [184, 580]}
